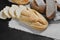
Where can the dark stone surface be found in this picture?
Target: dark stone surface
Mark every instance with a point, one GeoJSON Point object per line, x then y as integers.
{"type": "Point", "coordinates": [13, 34]}
{"type": "Point", "coordinates": [7, 33]}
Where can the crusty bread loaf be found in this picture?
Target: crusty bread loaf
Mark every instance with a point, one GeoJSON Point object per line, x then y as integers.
{"type": "Point", "coordinates": [50, 9]}
{"type": "Point", "coordinates": [28, 16]}
{"type": "Point", "coordinates": [39, 6]}
{"type": "Point", "coordinates": [42, 20]}
{"type": "Point", "coordinates": [12, 11]}
{"type": "Point", "coordinates": [33, 19]}
{"type": "Point", "coordinates": [20, 1]}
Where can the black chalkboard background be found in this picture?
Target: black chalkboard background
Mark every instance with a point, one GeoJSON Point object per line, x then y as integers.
{"type": "Point", "coordinates": [7, 33]}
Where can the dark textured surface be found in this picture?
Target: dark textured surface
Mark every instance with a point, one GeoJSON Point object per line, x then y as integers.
{"type": "Point", "coordinates": [13, 34]}
{"type": "Point", "coordinates": [7, 33]}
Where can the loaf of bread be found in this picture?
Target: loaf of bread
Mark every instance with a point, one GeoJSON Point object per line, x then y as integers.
{"type": "Point", "coordinates": [50, 9]}
{"type": "Point", "coordinates": [35, 20]}
{"type": "Point", "coordinates": [28, 16]}
{"type": "Point", "coordinates": [19, 1]}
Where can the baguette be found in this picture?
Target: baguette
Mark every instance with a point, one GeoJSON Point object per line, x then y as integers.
{"type": "Point", "coordinates": [35, 20]}
{"type": "Point", "coordinates": [29, 17]}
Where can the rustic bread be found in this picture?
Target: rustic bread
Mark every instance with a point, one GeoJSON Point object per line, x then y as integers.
{"type": "Point", "coordinates": [50, 9]}
{"type": "Point", "coordinates": [43, 8]}
{"type": "Point", "coordinates": [34, 19]}
{"type": "Point", "coordinates": [28, 16]}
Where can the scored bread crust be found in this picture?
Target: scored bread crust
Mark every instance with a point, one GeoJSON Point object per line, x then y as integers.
{"type": "Point", "coordinates": [39, 23]}
{"type": "Point", "coordinates": [40, 8]}
{"type": "Point", "coordinates": [20, 1]}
